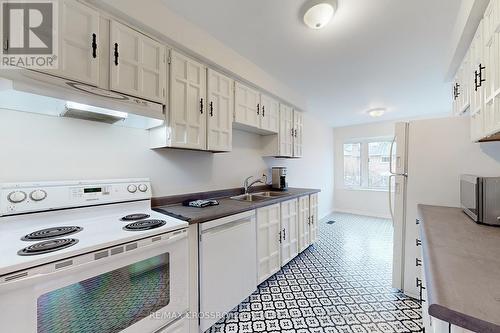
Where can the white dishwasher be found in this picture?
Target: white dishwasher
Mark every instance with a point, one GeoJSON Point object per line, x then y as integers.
{"type": "Point", "coordinates": [228, 265]}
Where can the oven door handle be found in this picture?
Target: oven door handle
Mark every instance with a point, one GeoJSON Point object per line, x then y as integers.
{"type": "Point", "coordinates": [80, 262]}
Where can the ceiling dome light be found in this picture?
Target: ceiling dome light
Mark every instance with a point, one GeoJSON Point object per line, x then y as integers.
{"type": "Point", "coordinates": [318, 13]}
{"type": "Point", "coordinates": [377, 112]}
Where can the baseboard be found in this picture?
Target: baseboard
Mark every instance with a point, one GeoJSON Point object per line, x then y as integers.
{"type": "Point", "coordinates": [362, 213]}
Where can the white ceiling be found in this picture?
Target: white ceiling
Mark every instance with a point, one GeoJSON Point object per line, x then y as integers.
{"type": "Point", "coordinates": [383, 53]}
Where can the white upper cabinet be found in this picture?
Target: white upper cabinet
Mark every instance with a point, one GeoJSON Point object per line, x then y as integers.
{"type": "Point", "coordinates": [247, 106]}
{"type": "Point", "coordinates": [79, 47]}
{"type": "Point", "coordinates": [289, 231]}
{"type": "Point", "coordinates": [477, 91]}
{"type": "Point", "coordinates": [137, 64]}
{"type": "Point", "coordinates": [187, 116]}
{"type": "Point", "coordinates": [298, 128]}
{"type": "Point", "coordinates": [268, 241]}
{"type": "Point", "coordinates": [220, 111]}
{"type": "Point", "coordinates": [269, 112]}
{"type": "Point", "coordinates": [286, 131]}
{"type": "Point", "coordinates": [461, 87]}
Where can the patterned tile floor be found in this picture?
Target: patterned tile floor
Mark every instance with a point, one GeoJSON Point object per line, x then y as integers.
{"type": "Point", "coordinates": [341, 284]}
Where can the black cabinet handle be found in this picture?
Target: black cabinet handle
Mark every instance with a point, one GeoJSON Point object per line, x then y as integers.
{"type": "Point", "coordinates": [280, 236]}
{"type": "Point", "coordinates": [419, 282]}
{"type": "Point", "coordinates": [94, 46]}
{"type": "Point", "coordinates": [284, 234]}
{"type": "Point", "coordinates": [258, 109]}
{"type": "Point", "coordinates": [263, 111]}
{"type": "Point", "coordinates": [211, 109]}
{"type": "Point", "coordinates": [295, 131]}
{"type": "Point", "coordinates": [116, 54]}
{"type": "Point", "coordinates": [481, 80]}
{"type": "Point", "coordinates": [417, 221]}
{"type": "Point", "coordinates": [292, 132]}
{"type": "Point", "coordinates": [418, 262]}
{"type": "Point", "coordinates": [6, 45]}
{"type": "Point", "coordinates": [418, 242]}
{"type": "Point", "coordinates": [201, 106]}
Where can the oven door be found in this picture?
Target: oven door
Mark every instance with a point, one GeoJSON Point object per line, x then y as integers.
{"type": "Point", "coordinates": [139, 287]}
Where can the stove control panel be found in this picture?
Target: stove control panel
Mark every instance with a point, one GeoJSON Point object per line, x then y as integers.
{"type": "Point", "coordinates": [33, 197]}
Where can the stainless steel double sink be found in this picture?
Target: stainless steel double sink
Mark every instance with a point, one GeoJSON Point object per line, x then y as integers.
{"type": "Point", "coordinates": [260, 196]}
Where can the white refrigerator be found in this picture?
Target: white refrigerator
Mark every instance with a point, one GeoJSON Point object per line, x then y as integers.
{"type": "Point", "coordinates": [398, 183]}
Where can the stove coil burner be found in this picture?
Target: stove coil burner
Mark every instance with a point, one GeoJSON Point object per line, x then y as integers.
{"type": "Point", "coordinates": [47, 246]}
{"type": "Point", "coordinates": [51, 233]}
{"type": "Point", "coordinates": [135, 217]}
{"type": "Point", "coordinates": [144, 225]}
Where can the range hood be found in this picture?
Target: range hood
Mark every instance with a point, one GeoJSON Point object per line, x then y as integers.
{"type": "Point", "coordinates": [30, 91]}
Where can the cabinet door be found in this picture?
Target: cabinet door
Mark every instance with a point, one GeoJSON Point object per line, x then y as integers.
{"type": "Point", "coordinates": [138, 64]}
{"type": "Point", "coordinates": [289, 234]}
{"type": "Point", "coordinates": [268, 241]}
{"type": "Point", "coordinates": [78, 37]}
{"type": "Point", "coordinates": [313, 211]}
{"type": "Point", "coordinates": [220, 111]}
{"type": "Point", "coordinates": [298, 129]}
{"type": "Point", "coordinates": [491, 56]}
{"type": "Point", "coordinates": [247, 106]}
{"type": "Point", "coordinates": [477, 98]}
{"type": "Point", "coordinates": [303, 223]}
{"type": "Point", "coordinates": [269, 114]}
{"type": "Point", "coordinates": [285, 134]}
{"type": "Point", "coordinates": [187, 116]}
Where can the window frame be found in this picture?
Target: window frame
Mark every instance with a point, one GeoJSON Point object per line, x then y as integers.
{"type": "Point", "coordinates": [364, 161]}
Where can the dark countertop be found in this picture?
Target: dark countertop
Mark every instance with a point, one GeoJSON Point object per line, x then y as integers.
{"type": "Point", "coordinates": [226, 207]}
{"type": "Point", "coordinates": [462, 268]}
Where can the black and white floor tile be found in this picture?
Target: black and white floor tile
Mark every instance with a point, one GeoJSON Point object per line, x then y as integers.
{"type": "Point", "coordinates": [341, 284]}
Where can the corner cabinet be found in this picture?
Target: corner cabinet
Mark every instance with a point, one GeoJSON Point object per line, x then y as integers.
{"type": "Point", "coordinates": [138, 64]}
{"type": "Point", "coordinates": [220, 112]}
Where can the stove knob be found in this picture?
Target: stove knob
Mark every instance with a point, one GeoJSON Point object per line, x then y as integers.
{"type": "Point", "coordinates": [143, 187]}
{"type": "Point", "coordinates": [38, 195]}
{"type": "Point", "coordinates": [132, 188]}
{"type": "Point", "coordinates": [17, 196]}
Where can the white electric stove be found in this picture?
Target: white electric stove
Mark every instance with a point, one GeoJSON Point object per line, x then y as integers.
{"type": "Point", "coordinates": [89, 256]}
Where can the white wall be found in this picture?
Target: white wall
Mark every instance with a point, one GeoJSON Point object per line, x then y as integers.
{"type": "Point", "coordinates": [439, 152]}
{"type": "Point", "coordinates": [37, 148]}
{"type": "Point", "coordinates": [363, 202]}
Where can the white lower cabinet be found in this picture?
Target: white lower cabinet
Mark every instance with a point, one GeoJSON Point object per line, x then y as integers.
{"type": "Point", "coordinates": [268, 241]}
{"type": "Point", "coordinates": [289, 232]}
{"type": "Point", "coordinates": [308, 221]}
{"type": "Point", "coordinates": [304, 223]}
{"type": "Point", "coordinates": [313, 210]}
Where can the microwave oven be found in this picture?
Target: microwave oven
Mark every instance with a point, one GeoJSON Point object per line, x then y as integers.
{"type": "Point", "coordinates": [480, 198]}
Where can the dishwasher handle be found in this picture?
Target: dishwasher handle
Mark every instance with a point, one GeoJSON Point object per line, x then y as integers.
{"type": "Point", "coordinates": [226, 226]}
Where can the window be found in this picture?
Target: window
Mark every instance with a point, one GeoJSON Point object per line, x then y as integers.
{"type": "Point", "coordinates": [352, 164]}
{"type": "Point", "coordinates": [378, 164]}
{"type": "Point", "coordinates": [366, 164]}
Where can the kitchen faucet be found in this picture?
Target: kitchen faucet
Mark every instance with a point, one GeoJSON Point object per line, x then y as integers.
{"type": "Point", "coordinates": [247, 186]}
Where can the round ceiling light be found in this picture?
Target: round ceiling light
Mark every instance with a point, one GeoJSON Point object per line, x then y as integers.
{"type": "Point", "coordinates": [376, 112]}
{"type": "Point", "coordinates": [318, 13]}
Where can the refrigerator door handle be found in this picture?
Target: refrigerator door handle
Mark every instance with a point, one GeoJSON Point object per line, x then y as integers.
{"type": "Point", "coordinates": [390, 157]}
{"type": "Point", "coordinates": [390, 198]}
